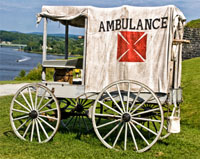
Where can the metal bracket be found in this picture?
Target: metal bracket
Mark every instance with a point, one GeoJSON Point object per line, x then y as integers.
{"type": "Point", "coordinates": [175, 96]}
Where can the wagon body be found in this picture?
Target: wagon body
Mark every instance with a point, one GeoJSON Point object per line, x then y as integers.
{"type": "Point", "coordinates": [109, 50]}
{"type": "Point", "coordinates": [131, 76]}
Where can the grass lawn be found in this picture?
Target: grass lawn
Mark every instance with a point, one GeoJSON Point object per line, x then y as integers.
{"type": "Point", "coordinates": [70, 145]}
{"type": "Point", "coordinates": [16, 82]}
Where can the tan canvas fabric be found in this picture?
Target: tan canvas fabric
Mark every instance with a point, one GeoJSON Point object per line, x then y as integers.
{"type": "Point", "coordinates": [126, 43]}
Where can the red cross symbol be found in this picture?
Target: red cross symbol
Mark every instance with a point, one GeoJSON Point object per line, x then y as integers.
{"type": "Point", "coordinates": [131, 46]}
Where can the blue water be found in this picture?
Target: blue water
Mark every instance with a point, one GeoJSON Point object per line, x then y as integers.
{"type": "Point", "coordinates": [13, 61]}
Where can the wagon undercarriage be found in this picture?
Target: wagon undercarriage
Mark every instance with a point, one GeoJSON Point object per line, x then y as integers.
{"type": "Point", "coordinates": [120, 118]}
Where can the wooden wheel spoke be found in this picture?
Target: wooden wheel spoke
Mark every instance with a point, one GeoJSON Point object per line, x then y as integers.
{"type": "Point", "coordinates": [23, 124]}
{"type": "Point", "coordinates": [27, 128]}
{"type": "Point", "coordinates": [26, 101]}
{"type": "Point", "coordinates": [142, 104]}
{"type": "Point", "coordinates": [154, 125]}
{"type": "Point", "coordinates": [144, 127]}
{"type": "Point", "coordinates": [72, 101]}
{"type": "Point", "coordinates": [146, 119]}
{"type": "Point", "coordinates": [49, 110]}
{"type": "Point", "coordinates": [22, 117]}
{"type": "Point", "coordinates": [128, 96]}
{"type": "Point", "coordinates": [36, 98]}
{"type": "Point", "coordinates": [21, 111]}
{"type": "Point", "coordinates": [114, 101]}
{"type": "Point", "coordinates": [85, 100]}
{"type": "Point", "coordinates": [140, 133]}
{"type": "Point", "coordinates": [81, 101]}
{"type": "Point", "coordinates": [40, 102]}
{"type": "Point", "coordinates": [48, 117]}
{"type": "Point", "coordinates": [125, 136]}
{"type": "Point", "coordinates": [88, 103]}
{"type": "Point", "coordinates": [46, 123]}
{"type": "Point", "coordinates": [118, 135]}
{"type": "Point", "coordinates": [138, 94]}
{"type": "Point", "coordinates": [46, 104]}
{"type": "Point", "coordinates": [111, 131]}
{"type": "Point", "coordinates": [105, 124]}
{"type": "Point", "coordinates": [107, 115]}
{"type": "Point", "coordinates": [147, 111]}
{"type": "Point", "coordinates": [133, 137]}
{"type": "Point", "coordinates": [31, 98]}
{"type": "Point", "coordinates": [44, 131]}
{"type": "Point", "coordinates": [22, 105]}
{"type": "Point", "coordinates": [32, 130]}
{"type": "Point", "coordinates": [109, 107]}
{"type": "Point", "coordinates": [119, 92]}
{"type": "Point", "coordinates": [38, 132]}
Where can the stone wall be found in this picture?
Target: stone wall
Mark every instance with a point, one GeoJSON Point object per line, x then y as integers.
{"type": "Point", "coordinates": [193, 49]}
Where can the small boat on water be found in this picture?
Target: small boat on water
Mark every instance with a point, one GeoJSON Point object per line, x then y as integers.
{"type": "Point", "coordinates": [24, 59]}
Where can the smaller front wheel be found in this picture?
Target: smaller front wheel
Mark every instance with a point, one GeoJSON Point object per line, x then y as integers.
{"type": "Point", "coordinates": [34, 113]}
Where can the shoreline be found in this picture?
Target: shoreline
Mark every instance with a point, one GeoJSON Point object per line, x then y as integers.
{"type": "Point", "coordinates": [49, 53]}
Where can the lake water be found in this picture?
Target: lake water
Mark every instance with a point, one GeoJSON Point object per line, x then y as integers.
{"type": "Point", "coordinates": [13, 61]}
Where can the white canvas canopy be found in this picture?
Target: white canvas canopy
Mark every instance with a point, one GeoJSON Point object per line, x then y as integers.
{"type": "Point", "coordinates": [126, 43]}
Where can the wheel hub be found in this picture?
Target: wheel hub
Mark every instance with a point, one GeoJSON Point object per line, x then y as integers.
{"type": "Point", "coordinates": [79, 108]}
{"type": "Point", "coordinates": [126, 117]}
{"type": "Point", "coordinates": [33, 114]}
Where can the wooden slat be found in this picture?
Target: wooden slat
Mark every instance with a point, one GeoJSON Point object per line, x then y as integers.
{"type": "Point", "coordinates": [74, 63]}
{"type": "Point", "coordinates": [178, 41]}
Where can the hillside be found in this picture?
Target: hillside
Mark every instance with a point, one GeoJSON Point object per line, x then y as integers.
{"type": "Point", "coordinates": [55, 42]}
{"type": "Point", "coordinates": [193, 24]}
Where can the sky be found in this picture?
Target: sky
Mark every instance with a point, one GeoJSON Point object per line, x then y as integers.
{"type": "Point", "coordinates": [20, 15]}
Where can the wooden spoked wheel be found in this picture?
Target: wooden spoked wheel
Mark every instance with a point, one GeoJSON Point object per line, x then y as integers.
{"type": "Point", "coordinates": [35, 113]}
{"type": "Point", "coordinates": [75, 113]}
{"type": "Point", "coordinates": [132, 116]}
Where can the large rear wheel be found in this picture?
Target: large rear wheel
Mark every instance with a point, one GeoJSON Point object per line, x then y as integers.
{"type": "Point", "coordinates": [132, 116]}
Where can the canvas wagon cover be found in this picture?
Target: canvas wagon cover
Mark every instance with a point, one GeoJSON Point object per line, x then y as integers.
{"type": "Point", "coordinates": [125, 43]}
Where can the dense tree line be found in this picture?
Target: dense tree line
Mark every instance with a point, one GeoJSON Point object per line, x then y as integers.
{"type": "Point", "coordinates": [55, 43]}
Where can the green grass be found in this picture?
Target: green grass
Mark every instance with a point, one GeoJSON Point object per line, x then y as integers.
{"type": "Point", "coordinates": [17, 82]}
{"type": "Point", "coordinates": [65, 145]}
{"type": "Point", "coordinates": [191, 93]}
